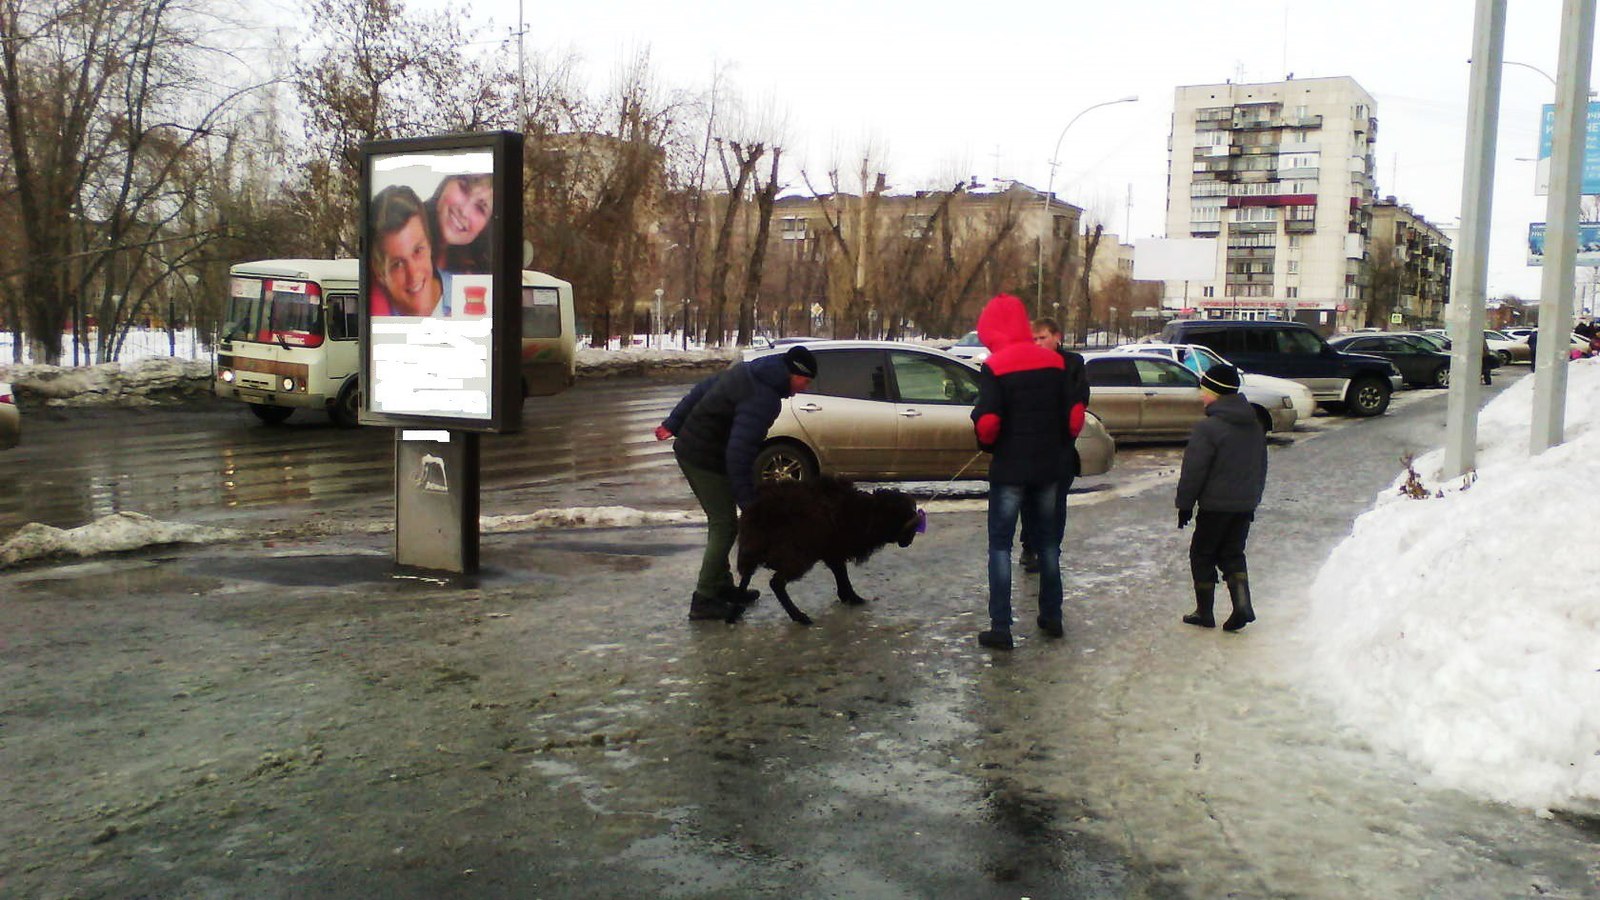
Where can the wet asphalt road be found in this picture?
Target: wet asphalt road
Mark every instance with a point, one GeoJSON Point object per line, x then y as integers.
{"type": "Point", "coordinates": [558, 730]}
{"type": "Point", "coordinates": [214, 462]}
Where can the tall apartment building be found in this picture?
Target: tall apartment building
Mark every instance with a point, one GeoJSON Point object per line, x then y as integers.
{"type": "Point", "coordinates": [1281, 175]}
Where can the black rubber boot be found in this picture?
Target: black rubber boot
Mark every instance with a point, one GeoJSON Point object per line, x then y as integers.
{"type": "Point", "coordinates": [1205, 595]}
{"type": "Point", "coordinates": [995, 640]}
{"type": "Point", "coordinates": [1239, 590]}
{"type": "Point", "coordinates": [702, 608]}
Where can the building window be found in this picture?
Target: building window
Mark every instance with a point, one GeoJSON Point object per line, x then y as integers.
{"type": "Point", "coordinates": [1294, 242]}
{"type": "Point", "coordinates": [1294, 267]}
{"type": "Point", "coordinates": [1061, 227]}
{"type": "Point", "coordinates": [917, 225]}
{"type": "Point", "coordinates": [1206, 211]}
{"type": "Point", "coordinates": [1291, 292]}
{"type": "Point", "coordinates": [1208, 291]}
{"type": "Point", "coordinates": [1256, 214]}
{"type": "Point", "coordinates": [792, 228]}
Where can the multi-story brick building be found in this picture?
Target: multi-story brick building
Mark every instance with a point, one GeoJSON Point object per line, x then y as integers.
{"type": "Point", "coordinates": [1408, 268]}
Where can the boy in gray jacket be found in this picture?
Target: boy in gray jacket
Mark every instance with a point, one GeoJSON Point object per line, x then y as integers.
{"type": "Point", "coordinates": [1225, 472]}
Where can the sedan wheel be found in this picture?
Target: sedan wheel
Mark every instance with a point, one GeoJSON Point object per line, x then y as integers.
{"type": "Point", "coordinates": [1441, 376]}
{"type": "Point", "coordinates": [785, 462]}
{"type": "Point", "coordinates": [1505, 357]}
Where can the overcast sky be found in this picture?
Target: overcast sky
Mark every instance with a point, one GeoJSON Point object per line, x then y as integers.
{"type": "Point", "coordinates": [985, 89]}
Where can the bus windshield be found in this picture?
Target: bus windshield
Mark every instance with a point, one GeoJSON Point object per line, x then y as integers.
{"type": "Point", "coordinates": [274, 311]}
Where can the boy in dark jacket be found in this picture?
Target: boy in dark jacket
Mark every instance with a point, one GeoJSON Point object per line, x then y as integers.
{"type": "Point", "coordinates": [719, 428]}
{"type": "Point", "coordinates": [1224, 472]}
{"type": "Point", "coordinates": [1023, 417]}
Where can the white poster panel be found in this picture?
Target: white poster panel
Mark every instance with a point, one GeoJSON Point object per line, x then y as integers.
{"type": "Point", "coordinates": [432, 285]}
{"type": "Point", "coordinates": [1175, 259]}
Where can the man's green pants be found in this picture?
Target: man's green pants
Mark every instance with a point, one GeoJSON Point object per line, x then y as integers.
{"type": "Point", "coordinates": [715, 493]}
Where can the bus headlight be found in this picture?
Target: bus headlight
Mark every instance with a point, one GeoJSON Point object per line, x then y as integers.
{"type": "Point", "coordinates": [226, 375]}
{"type": "Point", "coordinates": [288, 383]}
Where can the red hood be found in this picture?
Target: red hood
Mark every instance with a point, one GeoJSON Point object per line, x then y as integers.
{"type": "Point", "coordinates": [1003, 322]}
{"type": "Point", "coordinates": [1004, 328]}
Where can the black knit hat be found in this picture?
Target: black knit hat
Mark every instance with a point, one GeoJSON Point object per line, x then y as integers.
{"type": "Point", "coordinates": [1221, 379]}
{"type": "Point", "coordinates": [800, 361]}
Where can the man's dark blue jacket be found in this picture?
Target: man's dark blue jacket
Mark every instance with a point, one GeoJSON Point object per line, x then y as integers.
{"type": "Point", "coordinates": [721, 424]}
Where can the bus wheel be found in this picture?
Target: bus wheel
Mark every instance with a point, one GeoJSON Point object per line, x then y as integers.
{"type": "Point", "coordinates": [345, 411]}
{"type": "Point", "coordinates": [272, 415]}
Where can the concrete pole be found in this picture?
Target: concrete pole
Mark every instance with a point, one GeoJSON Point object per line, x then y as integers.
{"type": "Point", "coordinates": [1468, 288]}
{"type": "Point", "coordinates": [1561, 224]}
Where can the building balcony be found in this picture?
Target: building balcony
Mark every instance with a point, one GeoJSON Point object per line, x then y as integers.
{"type": "Point", "coordinates": [1300, 226]}
{"type": "Point", "coordinates": [1252, 227]}
{"type": "Point", "coordinates": [1252, 252]}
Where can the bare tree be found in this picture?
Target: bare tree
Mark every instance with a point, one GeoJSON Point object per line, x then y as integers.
{"type": "Point", "coordinates": [384, 73]}
{"type": "Point", "coordinates": [104, 107]}
{"type": "Point", "coordinates": [1083, 300]}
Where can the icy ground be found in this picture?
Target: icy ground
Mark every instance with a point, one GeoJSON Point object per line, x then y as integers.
{"type": "Point", "coordinates": [1462, 630]}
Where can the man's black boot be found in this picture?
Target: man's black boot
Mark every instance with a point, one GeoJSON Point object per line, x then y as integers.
{"type": "Point", "coordinates": [1239, 590]}
{"type": "Point", "coordinates": [1204, 597]}
{"type": "Point", "coordinates": [703, 608]}
{"type": "Point", "coordinates": [1030, 561]}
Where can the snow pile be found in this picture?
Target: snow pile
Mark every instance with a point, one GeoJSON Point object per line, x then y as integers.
{"type": "Point", "coordinates": [112, 534]}
{"type": "Point", "coordinates": [586, 517]}
{"type": "Point", "coordinates": [1463, 630]}
{"type": "Point", "coordinates": [639, 361]}
{"type": "Point", "coordinates": [140, 383]}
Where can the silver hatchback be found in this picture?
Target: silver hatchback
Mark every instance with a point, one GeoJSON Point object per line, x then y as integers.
{"type": "Point", "coordinates": [888, 411]}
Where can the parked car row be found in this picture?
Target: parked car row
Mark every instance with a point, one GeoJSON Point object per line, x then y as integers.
{"type": "Point", "coordinates": [1356, 384]}
{"type": "Point", "coordinates": [889, 411]}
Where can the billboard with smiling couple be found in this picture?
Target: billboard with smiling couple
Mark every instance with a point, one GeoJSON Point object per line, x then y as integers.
{"type": "Point", "coordinates": [441, 277]}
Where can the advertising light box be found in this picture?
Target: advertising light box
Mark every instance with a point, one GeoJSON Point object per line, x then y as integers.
{"type": "Point", "coordinates": [441, 276]}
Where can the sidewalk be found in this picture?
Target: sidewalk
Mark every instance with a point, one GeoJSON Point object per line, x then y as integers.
{"type": "Point", "coordinates": [294, 720]}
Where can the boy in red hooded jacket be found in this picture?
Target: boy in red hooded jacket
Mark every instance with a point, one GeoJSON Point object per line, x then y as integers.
{"type": "Point", "coordinates": [1024, 417]}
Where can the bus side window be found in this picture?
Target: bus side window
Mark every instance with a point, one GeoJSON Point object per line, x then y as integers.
{"type": "Point", "coordinates": [344, 317]}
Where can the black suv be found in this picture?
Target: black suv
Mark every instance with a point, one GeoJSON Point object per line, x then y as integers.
{"type": "Point", "coordinates": [1361, 385]}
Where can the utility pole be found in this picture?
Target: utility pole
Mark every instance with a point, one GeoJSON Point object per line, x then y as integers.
{"type": "Point", "coordinates": [1469, 286]}
{"type": "Point", "coordinates": [1561, 230]}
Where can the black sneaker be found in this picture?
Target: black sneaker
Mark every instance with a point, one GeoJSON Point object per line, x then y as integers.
{"type": "Point", "coordinates": [735, 595]}
{"type": "Point", "coordinates": [995, 640]}
{"type": "Point", "coordinates": [1052, 627]}
{"type": "Point", "coordinates": [1030, 561]}
{"type": "Point", "coordinates": [705, 609]}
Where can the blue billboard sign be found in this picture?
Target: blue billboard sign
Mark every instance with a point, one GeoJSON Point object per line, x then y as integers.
{"type": "Point", "coordinates": [1588, 244]}
{"type": "Point", "coordinates": [1591, 150]}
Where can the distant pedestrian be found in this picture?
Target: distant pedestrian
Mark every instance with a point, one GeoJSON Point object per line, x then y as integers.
{"type": "Point", "coordinates": [1023, 417]}
{"type": "Point", "coordinates": [720, 426]}
{"type": "Point", "coordinates": [1224, 473]}
{"type": "Point", "coordinates": [1490, 362]}
{"type": "Point", "coordinates": [1047, 334]}
{"type": "Point", "coordinates": [1533, 349]}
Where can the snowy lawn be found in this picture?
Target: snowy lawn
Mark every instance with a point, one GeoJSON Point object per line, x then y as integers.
{"type": "Point", "coordinates": [1463, 630]}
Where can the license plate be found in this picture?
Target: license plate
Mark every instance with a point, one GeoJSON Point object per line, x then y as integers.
{"type": "Point", "coordinates": [254, 396]}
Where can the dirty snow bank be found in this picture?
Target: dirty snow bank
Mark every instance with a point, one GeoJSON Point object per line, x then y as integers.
{"type": "Point", "coordinates": [132, 531]}
{"type": "Point", "coordinates": [1463, 630]}
{"type": "Point", "coordinates": [143, 382]}
{"type": "Point", "coordinates": [112, 534]}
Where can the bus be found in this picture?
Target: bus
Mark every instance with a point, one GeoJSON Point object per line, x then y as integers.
{"type": "Point", "coordinates": [290, 338]}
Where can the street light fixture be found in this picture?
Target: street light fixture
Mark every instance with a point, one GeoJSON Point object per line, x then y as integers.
{"type": "Point", "coordinates": [1049, 222]}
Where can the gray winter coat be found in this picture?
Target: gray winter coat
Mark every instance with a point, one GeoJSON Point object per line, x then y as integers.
{"type": "Point", "coordinates": [1225, 464]}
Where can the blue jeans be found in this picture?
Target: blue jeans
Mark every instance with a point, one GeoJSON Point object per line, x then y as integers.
{"type": "Point", "coordinates": [1006, 501]}
{"type": "Point", "coordinates": [1063, 488]}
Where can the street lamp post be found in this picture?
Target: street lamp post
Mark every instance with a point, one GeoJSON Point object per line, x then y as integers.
{"type": "Point", "coordinates": [1038, 304]}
